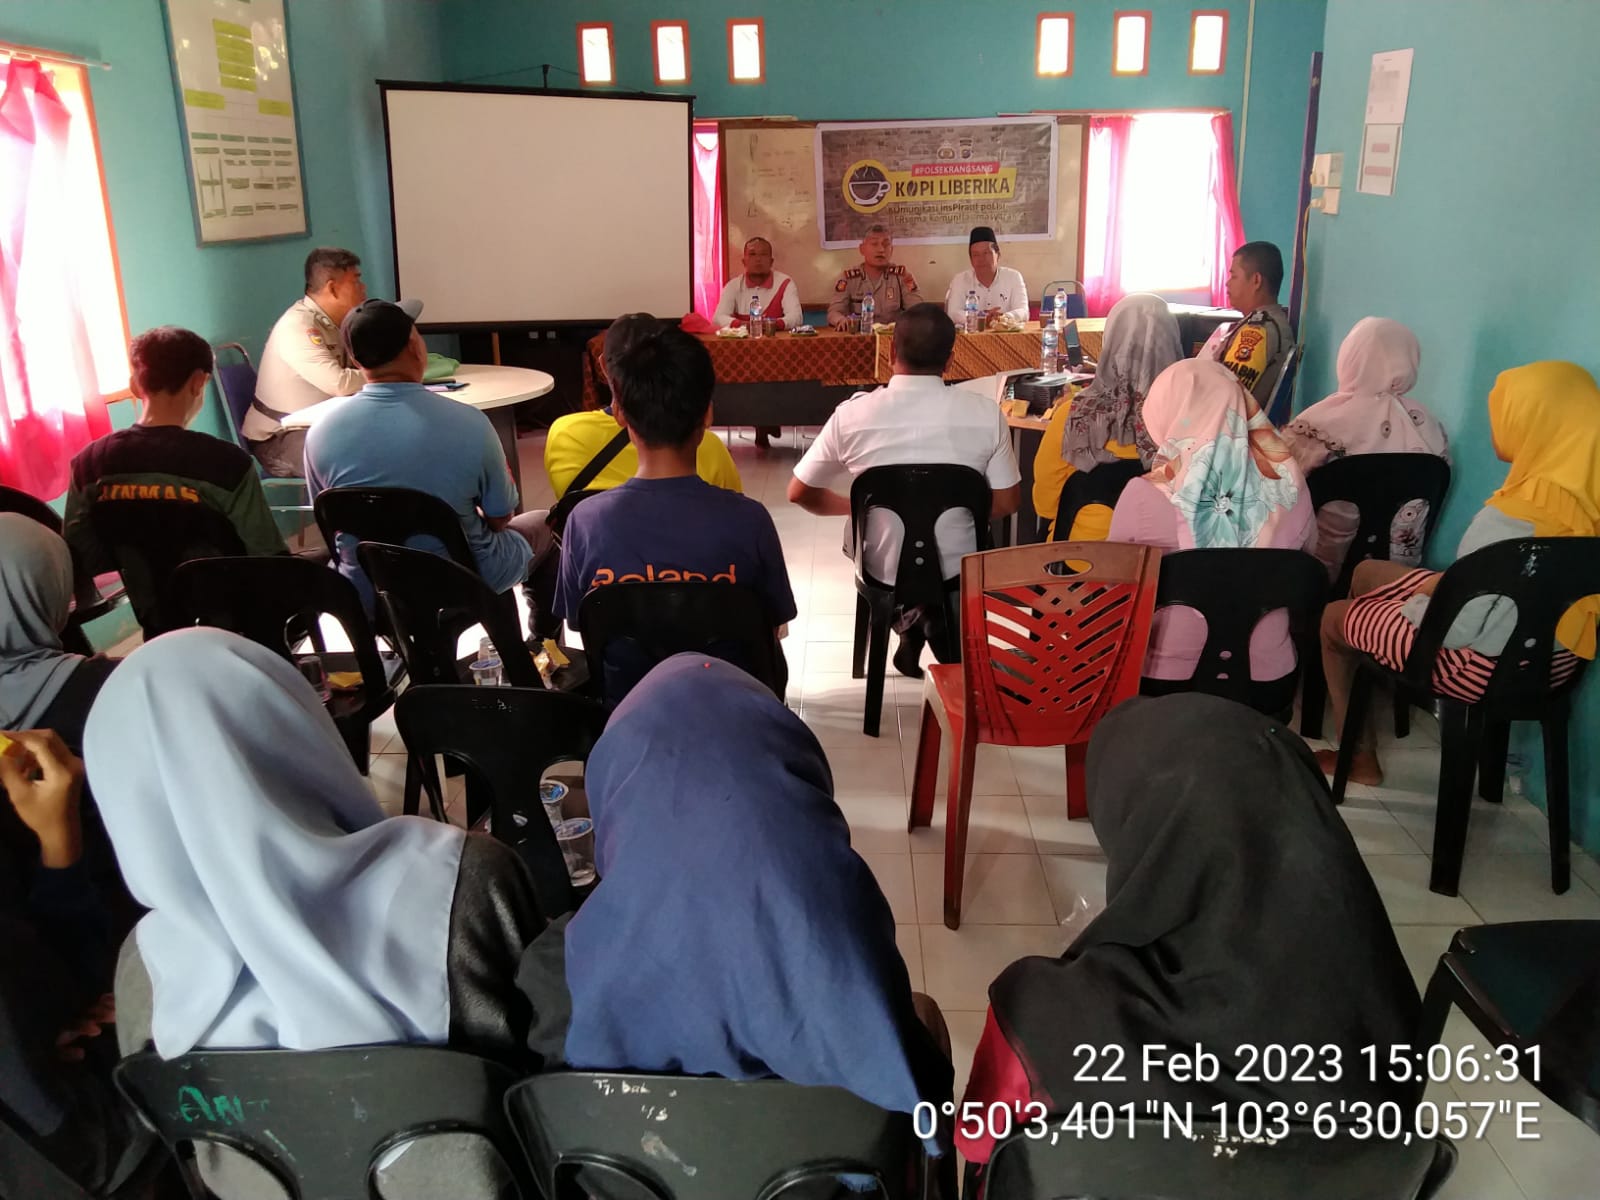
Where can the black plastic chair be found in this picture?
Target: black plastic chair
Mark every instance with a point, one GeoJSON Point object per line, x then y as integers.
{"type": "Point", "coordinates": [675, 1137]}
{"type": "Point", "coordinates": [26, 1173]}
{"type": "Point", "coordinates": [1529, 984]}
{"type": "Point", "coordinates": [919, 494]}
{"type": "Point", "coordinates": [627, 628]}
{"type": "Point", "coordinates": [276, 602]}
{"type": "Point", "coordinates": [1206, 1164]}
{"type": "Point", "coordinates": [1543, 577]}
{"type": "Point", "coordinates": [392, 516]}
{"type": "Point", "coordinates": [562, 509]}
{"type": "Point", "coordinates": [319, 1121]}
{"type": "Point", "coordinates": [506, 738]}
{"type": "Point", "coordinates": [1379, 486]}
{"type": "Point", "coordinates": [149, 539]}
{"type": "Point", "coordinates": [1283, 389]}
{"type": "Point", "coordinates": [1103, 485]}
{"type": "Point", "coordinates": [1233, 589]}
{"type": "Point", "coordinates": [92, 597]}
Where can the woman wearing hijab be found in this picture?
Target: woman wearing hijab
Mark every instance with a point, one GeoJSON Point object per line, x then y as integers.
{"type": "Point", "coordinates": [286, 909]}
{"type": "Point", "coordinates": [1370, 413]}
{"type": "Point", "coordinates": [41, 685]}
{"type": "Point", "coordinates": [1223, 479]}
{"type": "Point", "coordinates": [1104, 422]}
{"type": "Point", "coordinates": [1238, 914]}
{"type": "Point", "coordinates": [722, 843]}
{"type": "Point", "coordinates": [1545, 421]}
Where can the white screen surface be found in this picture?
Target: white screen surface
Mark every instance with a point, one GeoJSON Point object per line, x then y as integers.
{"type": "Point", "coordinates": [527, 207]}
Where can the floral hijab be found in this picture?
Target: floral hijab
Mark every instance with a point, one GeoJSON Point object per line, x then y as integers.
{"type": "Point", "coordinates": [1219, 460]}
{"type": "Point", "coordinates": [1141, 340]}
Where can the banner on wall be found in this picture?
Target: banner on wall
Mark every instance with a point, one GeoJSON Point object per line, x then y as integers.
{"type": "Point", "coordinates": [932, 181]}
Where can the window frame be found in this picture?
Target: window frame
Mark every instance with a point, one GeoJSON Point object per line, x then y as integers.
{"type": "Point", "coordinates": [611, 54]}
{"type": "Point", "coordinates": [1116, 34]}
{"type": "Point", "coordinates": [761, 49]}
{"type": "Point", "coordinates": [655, 53]}
{"type": "Point", "coordinates": [1222, 52]}
{"type": "Point", "coordinates": [53, 60]}
{"type": "Point", "coordinates": [1038, 43]}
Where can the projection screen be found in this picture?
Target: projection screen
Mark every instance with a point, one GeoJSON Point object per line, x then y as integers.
{"type": "Point", "coordinates": [532, 207]}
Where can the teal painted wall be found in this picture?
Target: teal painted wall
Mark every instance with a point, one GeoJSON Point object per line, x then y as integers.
{"type": "Point", "coordinates": [1489, 248]}
{"type": "Point", "coordinates": [234, 293]}
{"type": "Point", "coordinates": [885, 59]}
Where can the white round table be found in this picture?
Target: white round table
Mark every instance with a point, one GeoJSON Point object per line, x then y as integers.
{"type": "Point", "coordinates": [492, 390]}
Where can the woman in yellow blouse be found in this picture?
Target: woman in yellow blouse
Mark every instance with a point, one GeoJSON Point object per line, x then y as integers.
{"type": "Point", "coordinates": [1103, 422]}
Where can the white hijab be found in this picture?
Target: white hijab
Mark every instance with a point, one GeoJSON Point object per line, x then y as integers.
{"type": "Point", "coordinates": [1370, 413]}
{"type": "Point", "coordinates": [286, 909]}
{"type": "Point", "coordinates": [35, 592]}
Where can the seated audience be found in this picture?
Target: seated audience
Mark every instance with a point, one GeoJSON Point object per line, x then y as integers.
{"type": "Point", "coordinates": [716, 835]}
{"type": "Point", "coordinates": [779, 295]}
{"type": "Point", "coordinates": [396, 433]}
{"type": "Point", "coordinates": [579, 438]}
{"type": "Point", "coordinates": [305, 361]}
{"type": "Point", "coordinates": [1223, 479]}
{"type": "Point", "coordinates": [41, 685]}
{"type": "Point", "coordinates": [1253, 347]}
{"type": "Point", "coordinates": [1238, 913]}
{"type": "Point", "coordinates": [160, 457]}
{"type": "Point", "coordinates": [914, 419]}
{"type": "Point", "coordinates": [56, 1048]}
{"type": "Point", "coordinates": [667, 524]}
{"type": "Point", "coordinates": [1369, 414]}
{"type": "Point", "coordinates": [1001, 290]}
{"type": "Point", "coordinates": [1544, 419]}
{"type": "Point", "coordinates": [286, 910]}
{"type": "Point", "coordinates": [1105, 421]}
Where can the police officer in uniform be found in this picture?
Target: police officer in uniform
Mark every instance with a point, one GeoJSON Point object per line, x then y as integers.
{"type": "Point", "coordinates": [1254, 348]}
{"type": "Point", "coordinates": [892, 286]}
{"type": "Point", "coordinates": [305, 361]}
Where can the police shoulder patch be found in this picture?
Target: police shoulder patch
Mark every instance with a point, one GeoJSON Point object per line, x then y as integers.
{"type": "Point", "coordinates": [909, 281]}
{"type": "Point", "coordinates": [843, 283]}
{"type": "Point", "coordinates": [314, 335]}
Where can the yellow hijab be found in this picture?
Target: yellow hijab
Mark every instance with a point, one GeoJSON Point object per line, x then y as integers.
{"type": "Point", "coordinates": [1545, 419]}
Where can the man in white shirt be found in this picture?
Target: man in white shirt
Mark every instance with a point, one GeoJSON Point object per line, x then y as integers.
{"type": "Point", "coordinates": [914, 419]}
{"type": "Point", "coordinates": [305, 361]}
{"type": "Point", "coordinates": [780, 299]}
{"type": "Point", "coordinates": [1001, 290]}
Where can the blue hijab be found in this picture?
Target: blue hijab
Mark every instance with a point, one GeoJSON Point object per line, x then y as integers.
{"type": "Point", "coordinates": [734, 931]}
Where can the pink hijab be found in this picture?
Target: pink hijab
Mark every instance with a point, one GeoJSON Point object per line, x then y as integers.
{"type": "Point", "coordinates": [1220, 462]}
{"type": "Point", "coordinates": [1370, 413]}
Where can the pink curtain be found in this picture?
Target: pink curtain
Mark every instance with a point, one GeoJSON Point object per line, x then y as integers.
{"type": "Point", "coordinates": [50, 402]}
{"type": "Point", "coordinates": [708, 249]}
{"type": "Point", "coordinates": [1224, 206]}
{"type": "Point", "coordinates": [1102, 238]}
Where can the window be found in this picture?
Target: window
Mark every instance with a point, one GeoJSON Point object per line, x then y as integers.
{"type": "Point", "coordinates": [68, 353]}
{"type": "Point", "coordinates": [747, 54]}
{"type": "Point", "coordinates": [671, 40]}
{"type": "Point", "coordinates": [1208, 42]}
{"type": "Point", "coordinates": [595, 62]}
{"type": "Point", "coordinates": [1130, 53]}
{"type": "Point", "coordinates": [1055, 44]}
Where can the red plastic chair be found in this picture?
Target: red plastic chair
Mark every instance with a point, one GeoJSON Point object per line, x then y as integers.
{"type": "Point", "coordinates": [1044, 657]}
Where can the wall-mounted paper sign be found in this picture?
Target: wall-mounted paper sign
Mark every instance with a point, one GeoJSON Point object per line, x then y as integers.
{"type": "Point", "coordinates": [1388, 86]}
{"type": "Point", "coordinates": [1380, 159]}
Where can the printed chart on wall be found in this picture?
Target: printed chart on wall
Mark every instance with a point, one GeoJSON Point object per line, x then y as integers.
{"type": "Point", "coordinates": [932, 181]}
{"type": "Point", "coordinates": [231, 64]}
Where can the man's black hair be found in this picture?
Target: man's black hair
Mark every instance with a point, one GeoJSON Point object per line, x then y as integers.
{"type": "Point", "coordinates": [924, 339]}
{"type": "Point", "coordinates": [1265, 259]}
{"type": "Point", "coordinates": [664, 381]}
{"type": "Point", "coordinates": [326, 263]}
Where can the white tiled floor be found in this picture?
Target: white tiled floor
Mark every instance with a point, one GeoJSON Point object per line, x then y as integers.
{"type": "Point", "coordinates": [1029, 868]}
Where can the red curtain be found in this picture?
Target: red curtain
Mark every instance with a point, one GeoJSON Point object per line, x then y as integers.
{"type": "Point", "coordinates": [1225, 206]}
{"type": "Point", "coordinates": [1102, 241]}
{"type": "Point", "coordinates": [709, 253]}
{"type": "Point", "coordinates": [50, 401]}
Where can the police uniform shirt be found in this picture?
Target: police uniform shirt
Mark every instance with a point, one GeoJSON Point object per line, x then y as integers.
{"type": "Point", "coordinates": [304, 363]}
{"type": "Point", "coordinates": [894, 291]}
{"type": "Point", "coordinates": [1008, 293]}
{"type": "Point", "coordinates": [735, 302]}
{"type": "Point", "coordinates": [1253, 349]}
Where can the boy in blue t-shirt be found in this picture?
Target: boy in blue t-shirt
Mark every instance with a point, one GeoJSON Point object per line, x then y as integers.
{"type": "Point", "coordinates": [666, 523]}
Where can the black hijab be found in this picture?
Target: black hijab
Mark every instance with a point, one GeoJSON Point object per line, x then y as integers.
{"type": "Point", "coordinates": [1239, 913]}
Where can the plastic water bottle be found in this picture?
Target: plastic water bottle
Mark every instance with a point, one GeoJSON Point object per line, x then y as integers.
{"type": "Point", "coordinates": [755, 315]}
{"type": "Point", "coordinates": [1061, 311]}
{"type": "Point", "coordinates": [972, 312]}
{"type": "Point", "coordinates": [868, 312]}
{"type": "Point", "coordinates": [1048, 341]}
